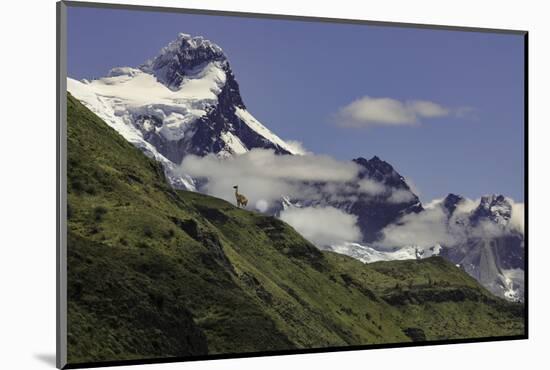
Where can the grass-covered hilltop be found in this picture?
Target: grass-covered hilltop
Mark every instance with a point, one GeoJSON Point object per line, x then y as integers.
{"type": "Point", "coordinates": [154, 272]}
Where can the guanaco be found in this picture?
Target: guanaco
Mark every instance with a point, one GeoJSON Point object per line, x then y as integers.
{"type": "Point", "coordinates": [241, 199]}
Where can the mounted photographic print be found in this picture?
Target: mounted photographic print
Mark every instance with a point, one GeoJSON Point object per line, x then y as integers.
{"type": "Point", "coordinates": [235, 185]}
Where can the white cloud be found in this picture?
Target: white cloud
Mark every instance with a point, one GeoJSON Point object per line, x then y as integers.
{"type": "Point", "coordinates": [432, 226]}
{"type": "Point", "coordinates": [428, 109]}
{"type": "Point", "coordinates": [368, 111]}
{"type": "Point", "coordinates": [265, 163]}
{"type": "Point", "coordinates": [297, 147]}
{"type": "Point", "coordinates": [371, 187]}
{"type": "Point", "coordinates": [263, 176]}
{"type": "Point", "coordinates": [323, 226]}
{"type": "Point", "coordinates": [487, 229]}
{"type": "Point", "coordinates": [517, 221]}
{"type": "Point", "coordinates": [400, 196]}
{"type": "Point", "coordinates": [433, 203]}
{"type": "Point", "coordinates": [262, 205]}
{"type": "Point", "coordinates": [423, 229]}
{"type": "Point", "coordinates": [466, 206]}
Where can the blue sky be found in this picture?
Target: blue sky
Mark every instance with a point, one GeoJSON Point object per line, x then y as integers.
{"type": "Point", "coordinates": [296, 76]}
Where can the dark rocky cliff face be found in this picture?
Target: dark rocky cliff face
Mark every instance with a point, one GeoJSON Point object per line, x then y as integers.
{"type": "Point", "coordinates": [490, 249]}
{"type": "Point", "coordinates": [452, 201]}
{"type": "Point", "coordinates": [488, 259]}
{"type": "Point", "coordinates": [375, 213]}
{"type": "Point", "coordinates": [222, 118]}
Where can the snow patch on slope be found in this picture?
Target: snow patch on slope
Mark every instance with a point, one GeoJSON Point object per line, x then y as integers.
{"type": "Point", "coordinates": [260, 129]}
{"type": "Point", "coordinates": [233, 145]}
{"type": "Point", "coordinates": [368, 254]}
{"type": "Point", "coordinates": [132, 91]}
{"type": "Point", "coordinates": [514, 284]}
{"type": "Point", "coordinates": [110, 110]}
{"type": "Point", "coordinates": [137, 87]}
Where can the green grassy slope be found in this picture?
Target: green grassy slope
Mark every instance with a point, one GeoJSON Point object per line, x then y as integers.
{"type": "Point", "coordinates": [155, 272]}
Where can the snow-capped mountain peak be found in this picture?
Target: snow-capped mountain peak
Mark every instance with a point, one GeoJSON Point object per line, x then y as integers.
{"type": "Point", "coordinates": [452, 201]}
{"type": "Point", "coordinates": [184, 101]}
{"type": "Point", "coordinates": [367, 254]}
{"type": "Point", "coordinates": [495, 208]}
{"type": "Point", "coordinates": [182, 57]}
{"type": "Point", "coordinates": [381, 171]}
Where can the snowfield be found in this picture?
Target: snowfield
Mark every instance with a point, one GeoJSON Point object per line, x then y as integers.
{"type": "Point", "coordinates": [255, 125]}
{"type": "Point", "coordinates": [128, 93]}
{"type": "Point", "coordinates": [368, 254]}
